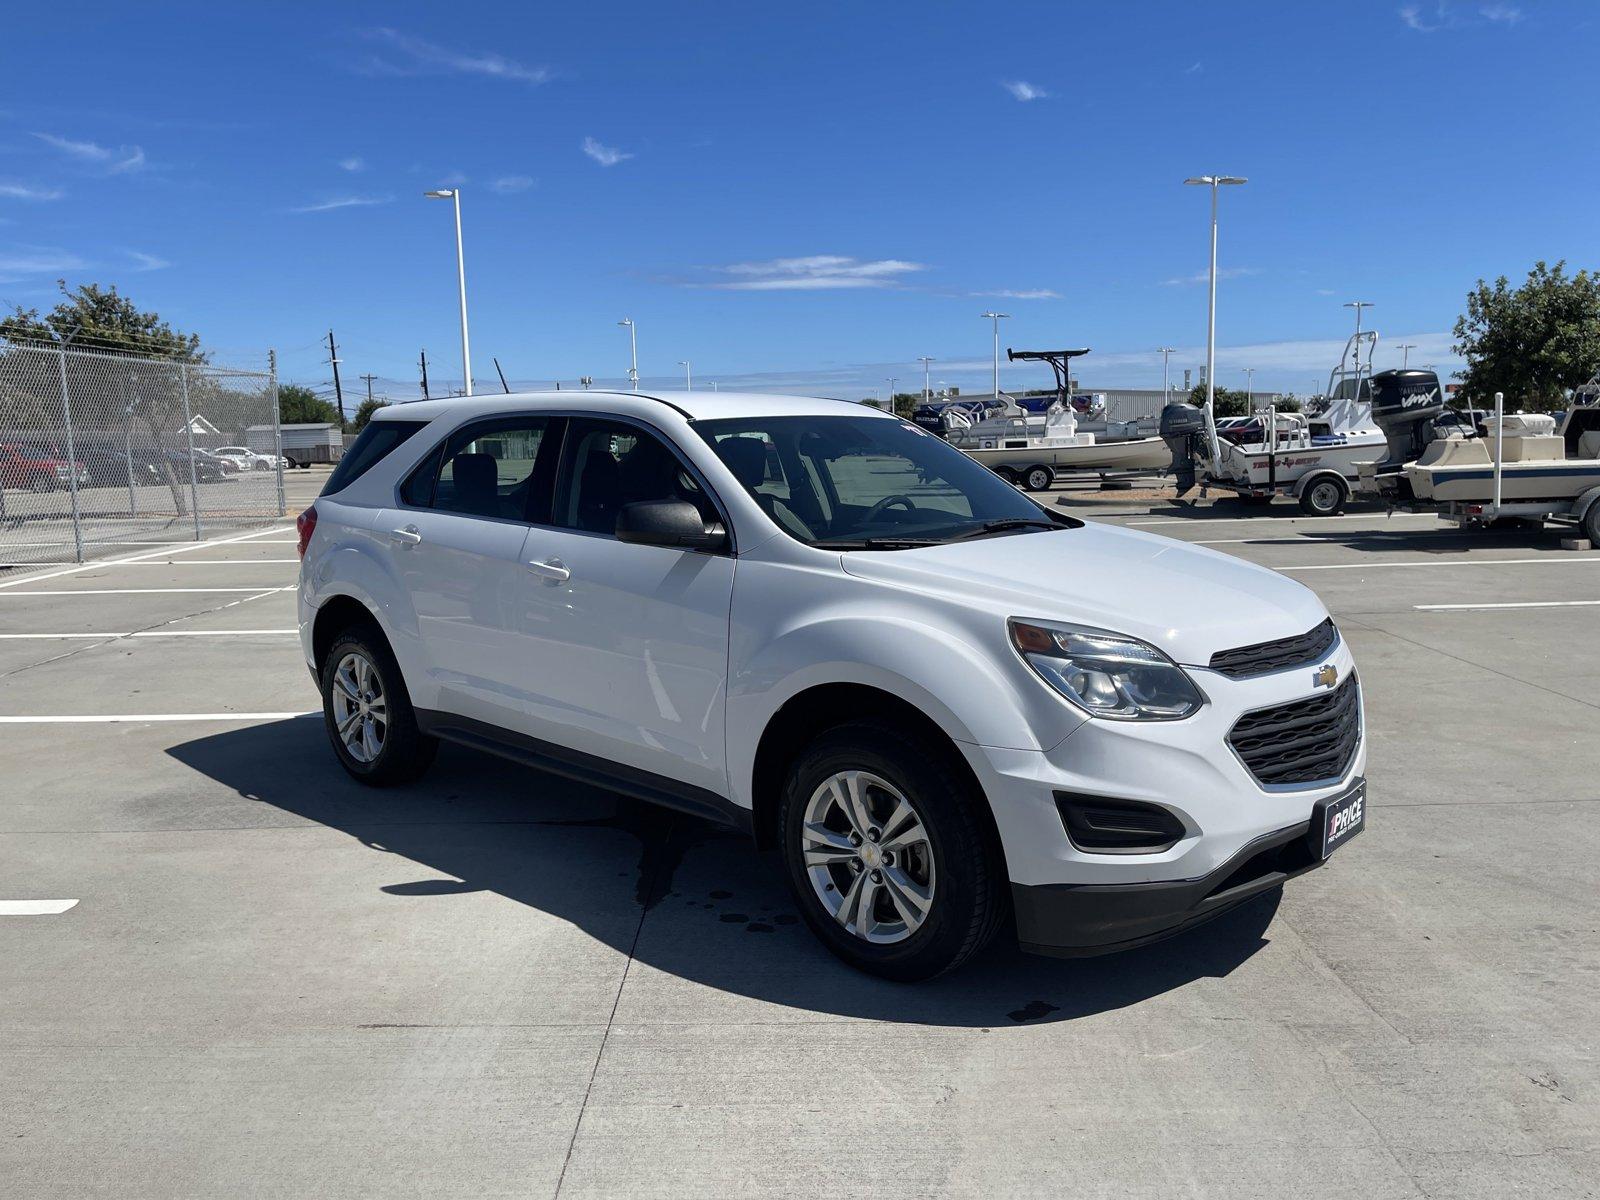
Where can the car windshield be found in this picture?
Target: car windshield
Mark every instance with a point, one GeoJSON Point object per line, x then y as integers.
{"type": "Point", "coordinates": [867, 483]}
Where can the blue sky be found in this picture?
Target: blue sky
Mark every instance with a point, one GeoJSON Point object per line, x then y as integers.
{"type": "Point", "coordinates": [803, 198]}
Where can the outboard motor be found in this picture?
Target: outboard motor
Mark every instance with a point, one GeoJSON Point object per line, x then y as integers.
{"type": "Point", "coordinates": [1405, 404]}
{"type": "Point", "coordinates": [1183, 429]}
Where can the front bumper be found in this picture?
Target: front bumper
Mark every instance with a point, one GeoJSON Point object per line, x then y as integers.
{"type": "Point", "coordinates": [1074, 921]}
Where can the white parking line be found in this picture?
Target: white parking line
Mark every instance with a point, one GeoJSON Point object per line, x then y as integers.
{"type": "Point", "coordinates": [1285, 520]}
{"type": "Point", "coordinates": [108, 562]}
{"type": "Point", "coordinates": [126, 718]}
{"type": "Point", "coordinates": [1548, 560]}
{"type": "Point", "coordinates": [143, 633]}
{"type": "Point", "coordinates": [34, 908]}
{"type": "Point", "coordinates": [181, 562]}
{"type": "Point", "coordinates": [145, 591]}
{"type": "Point", "coordinates": [1508, 604]}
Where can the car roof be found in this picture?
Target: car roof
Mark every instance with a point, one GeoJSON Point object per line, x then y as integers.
{"type": "Point", "coordinates": [695, 406]}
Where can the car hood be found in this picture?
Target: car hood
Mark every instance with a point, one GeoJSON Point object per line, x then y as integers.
{"type": "Point", "coordinates": [1189, 601]}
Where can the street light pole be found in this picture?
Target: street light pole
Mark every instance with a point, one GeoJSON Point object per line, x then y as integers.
{"type": "Point", "coordinates": [891, 381]}
{"type": "Point", "coordinates": [633, 343]}
{"type": "Point", "coordinates": [688, 379]}
{"type": "Point", "coordinates": [1405, 354]}
{"type": "Point", "coordinates": [1166, 375]}
{"type": "Point", "coordinates": [1249, 389]}
{"type": "Point", "coordinates": [461, 276]}
{"type": "Point", "coordinates": [927, 393]}
{"type": "Point", "coordinates": [1213, 182]}
{"type": "Point", "coordinates": [997, 317]}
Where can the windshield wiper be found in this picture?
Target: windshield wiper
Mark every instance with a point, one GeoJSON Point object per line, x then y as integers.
{"type": "Point", "coordinates": [1007, 524]}
{"type": "Point", "coordinates": [881, 543]}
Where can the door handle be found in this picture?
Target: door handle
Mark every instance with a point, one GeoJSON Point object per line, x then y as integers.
{"type": "Point", "coordinates": [552, 569]}
{"type": "Point", "coordinates": [409, 535]}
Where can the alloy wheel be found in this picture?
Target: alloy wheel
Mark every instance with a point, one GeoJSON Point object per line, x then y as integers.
{"type": "Point", "coordinates": [868, 857]}
{"type": "Point", "coordinates": [360, 708]}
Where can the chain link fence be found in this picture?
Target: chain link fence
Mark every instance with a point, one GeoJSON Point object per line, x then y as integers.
{"type": "Point", "coordinates": [102, 448]}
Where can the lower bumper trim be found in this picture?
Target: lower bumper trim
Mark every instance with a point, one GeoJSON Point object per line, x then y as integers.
{"type": "Point", "coordinates": [1076, 921]}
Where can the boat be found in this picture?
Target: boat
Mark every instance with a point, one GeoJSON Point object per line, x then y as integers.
{"type": "Point", "coordinates": [1312, 458]}
{"type": "Point", "coordinates": [1537, 460]}
{"type": "Point", "coordinates": [1033, 454]}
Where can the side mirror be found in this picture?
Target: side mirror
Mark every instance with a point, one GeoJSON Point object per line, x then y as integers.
{"type": "Point", "coordinates": [668, 523]}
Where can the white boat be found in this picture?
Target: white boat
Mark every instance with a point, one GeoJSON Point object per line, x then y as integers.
{"type": "Point", "coordinates": [1033, 454]}
{"type": "Point", "coordinates": [1537, 461]}
{"type": "Point", "coordinates": [1313, 458]}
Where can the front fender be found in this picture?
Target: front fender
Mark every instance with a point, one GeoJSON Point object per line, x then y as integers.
{"type": "Point", "coordinates": [977, 694]}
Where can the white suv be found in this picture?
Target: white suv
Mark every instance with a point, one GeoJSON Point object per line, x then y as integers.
{"type": "Point", "coordinates": [942, 704]}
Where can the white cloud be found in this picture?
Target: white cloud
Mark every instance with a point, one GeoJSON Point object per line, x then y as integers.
{"type": "Point", "coordinates": [1024, 91]}
{"type": "Point", "coordinates": [23, 191]}
{"type": "Point", "coordinates": [353, 164]}
{"type": "Point", "coordinates": [343, 202]}
{"type": "Point", "coordinates": [606, 156]}
{"type": "Point", "coordinates": [507, 184]}
{"type": "Point", "coordinates": [24, 261]}
{"type": "Point", "coordinates": [814, 272]}
{"type": "Point", "coordinates": [113, 162]}
{"type": "Point", "coordinates": [1194, 68]}
{"type": "Point", "coordinates": [1503, 14]}
{"type": "Point", "coordinates": [1203, 276]}
{"type": "Point", "coordinates": [146, 262]}
{"type": "Point", "coordinates": [408, 55]}
{"type": "Point", "coordinates": [1024, 294]}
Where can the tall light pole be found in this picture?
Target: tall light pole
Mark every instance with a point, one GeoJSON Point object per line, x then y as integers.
{"type": "Point", "coordinates": [891, 381]}
{"type": "Point", "coordinates": [461, 276]}
{"type": "Point", "coordinates": [1166, 374]}
{"type": "Point", "coordinates": [997, 317]}
{"type": "Point", "coordinates": [1249, 389]}
{"type": "Point", "coordinates": [1405, 354]}
{"type": "Point", "coordinates": [1213, 182]}
{"type": "Point", "coordinates": [688, 378]}
{"type": "Point", "coordinates": [927, 392]}
{"type": "Point", "coordinates": [1358, 305]}
{"type": "Point", "coordinates": [633, 343]}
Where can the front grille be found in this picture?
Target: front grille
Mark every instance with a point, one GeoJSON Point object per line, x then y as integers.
{"type": "Point", "coordinates": [1245, 661]}
{"type": "Point", "coordinates": [1304, 741]}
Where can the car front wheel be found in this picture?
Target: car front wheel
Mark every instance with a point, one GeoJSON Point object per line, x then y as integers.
{"type": "Point", "coordinates": [886, 854]}
{"type": "Point", "coordinates": [367, 711]}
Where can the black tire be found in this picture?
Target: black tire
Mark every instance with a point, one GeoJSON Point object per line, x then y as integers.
{"type": "Point", "coordinates": [1591, 524]}
{"type": "Point", "coordinates": [1038, 478]}
{"type": "Point", "coordinates": [406, 752]}
{"type": "Point", "coordinates": [1325, 497]}
{"type": "Point", "coordinates": [1008, 475]}
{"type": "Point", "coordinates": [969, 900]}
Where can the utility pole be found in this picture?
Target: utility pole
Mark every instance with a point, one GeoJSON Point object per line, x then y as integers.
{"type": "Point", "coordinates": [369, 379]}
{"type": "Point", "coordinates": [423, 360]}
{"type": "Point", "coordinates": [338, 389]}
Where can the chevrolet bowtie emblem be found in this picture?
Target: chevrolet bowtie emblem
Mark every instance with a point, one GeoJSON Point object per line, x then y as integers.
{"type": "Point", "coordinates": [1327, 675]}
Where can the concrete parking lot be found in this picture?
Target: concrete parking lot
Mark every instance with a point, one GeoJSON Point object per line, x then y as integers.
{"type": "Point", "coordinates": [274, 982]}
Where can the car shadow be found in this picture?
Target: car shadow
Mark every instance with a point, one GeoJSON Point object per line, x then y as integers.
{"type": "Point", "coordinates": [699, 891]}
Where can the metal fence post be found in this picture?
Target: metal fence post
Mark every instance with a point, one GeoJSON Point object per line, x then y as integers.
{"type": "Point", "coordinates": [72, 455]}
{"type": "Point", "coordinates": [188, 429]}
{"type": "Point", "coordinates": [277, 427]}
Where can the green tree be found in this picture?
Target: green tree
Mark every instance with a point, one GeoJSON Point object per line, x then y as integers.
{"type": "Point", "coordinates": [364, 413]}
{"type": "Point", "coordinates": [1535, 343]}
{"type": "Point", "coordinates": [93, 318]}
{"type": "Point", "coordinates": [97, 318]}
{"type": "Point", "coordinates": [1229, 403]}
{"type": "Point", "coordinates": [299, 405]}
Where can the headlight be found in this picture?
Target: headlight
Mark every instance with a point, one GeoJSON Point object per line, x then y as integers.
{"type": "Point", "coordinates": [1107, 674]}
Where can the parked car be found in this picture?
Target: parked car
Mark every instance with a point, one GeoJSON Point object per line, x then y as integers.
{"type": "Point", "coordinates": [39, 466]}
{"type": "Point", "coordinates": [940, 702]}
{"type": "Point", "coordinates": [251, 460]}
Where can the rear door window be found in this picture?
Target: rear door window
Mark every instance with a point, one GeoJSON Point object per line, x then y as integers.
{"type": "Point", "coordinates": [503, 468]}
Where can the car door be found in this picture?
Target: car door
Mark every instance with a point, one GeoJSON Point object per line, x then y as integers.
{"type": "Point", "coordinates": [628, 643]}
{"type": "Point", "coordinates": [456, 543]}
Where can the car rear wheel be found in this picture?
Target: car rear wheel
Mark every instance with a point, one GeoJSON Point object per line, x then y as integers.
{"type": "Point", "coordinates": [886, 854]}
{"type": "Point", "coordinates": [367, 711]}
